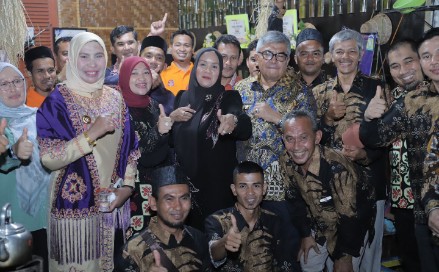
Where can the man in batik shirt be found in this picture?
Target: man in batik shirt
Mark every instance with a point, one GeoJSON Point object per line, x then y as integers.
{"type": "Point", "coordinates": [309, 58]}
{"type": "Point", "coordinates": [406, 71]}
{"type": "Point", "coordinates": [167, 243]}
{"type": "Point", "coordinates": [334, 201]}
{"type": "Point", "coordinates": [246, 237]}
{"type": "Point", "coordinates": [413, 118]}
{"type": "Point", "coordinates": [266, 99]}
{"type": "Point", "coordinates": [341, 102]}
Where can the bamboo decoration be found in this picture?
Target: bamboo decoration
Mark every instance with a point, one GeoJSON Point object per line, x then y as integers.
{"type": "Point", "coordinates": [13, 29]}
{"type": "Point", "coordinates": [262, 22]}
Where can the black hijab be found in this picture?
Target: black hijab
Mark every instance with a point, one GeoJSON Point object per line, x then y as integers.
{"type": "Point", "coordinates": [204, 123]}
{"type": "Point", "coordinates": [198, 94]}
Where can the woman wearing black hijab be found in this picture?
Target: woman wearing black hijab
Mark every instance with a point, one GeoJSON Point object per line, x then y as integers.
{"type": "Point", "coordinates": [206, 143]}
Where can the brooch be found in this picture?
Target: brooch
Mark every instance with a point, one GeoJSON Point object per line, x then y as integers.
{"type": "Point", "coordinates": [86, 119]}
{"type": "Point", "coordinates": [208, 97]}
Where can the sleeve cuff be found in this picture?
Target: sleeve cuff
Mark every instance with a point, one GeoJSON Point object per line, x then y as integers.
{"type": "Point", "coordinates": [216, 264]}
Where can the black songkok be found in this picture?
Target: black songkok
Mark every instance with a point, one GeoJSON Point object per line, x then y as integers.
{"type": "Point", "coordinates": [155, 41]}
{"type": "Point", "coordinates": [167, 175]}
{"type": "Point", "coordinates": [309, 34]}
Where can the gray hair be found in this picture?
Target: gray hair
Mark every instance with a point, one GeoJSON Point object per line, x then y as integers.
{"type": "Point", "coordinates": [274, 37]}
{"type": "Point", "coordinates": [299, 114]}
{"type": "Point", "coordinates": [345, 35]}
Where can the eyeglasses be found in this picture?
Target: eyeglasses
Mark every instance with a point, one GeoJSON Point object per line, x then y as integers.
{"type": "Point", "coordinates": [268, 55]}
{"type": "Point", "coordinates": [5, 85]}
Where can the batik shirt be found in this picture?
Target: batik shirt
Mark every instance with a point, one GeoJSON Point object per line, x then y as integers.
{"type": "Point", "coordinates": [363, 89]}
{"type": "Point", "coordinates": [154, 152]}
{"type": "Point", "coordinates": [321, 78]}
{"type": "Point", "coordinates": [412, 118]}
{"type": "Point", "coordinates": [265, 146]}
{"type": "Point", "coordinates": [431, 172]}
{"type": "Point", "coordinates": [333, 199]}
{"type": "Point", "coordinates": [260, 248]}
{"type": "Point", "coordinates": [190, 254]}
{"type": "Point", "coordinates": [400, 190]}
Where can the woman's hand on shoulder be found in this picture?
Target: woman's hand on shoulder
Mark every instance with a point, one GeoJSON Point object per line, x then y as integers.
{"type": "Point", "coordinates": [182, 114]}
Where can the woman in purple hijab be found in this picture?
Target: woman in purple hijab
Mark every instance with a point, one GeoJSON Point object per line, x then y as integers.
{"type": "Point", "coordinates": [87, 141]}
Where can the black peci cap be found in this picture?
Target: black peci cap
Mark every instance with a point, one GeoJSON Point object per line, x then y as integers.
{"type": "Point", "coordinates": [309, 34]}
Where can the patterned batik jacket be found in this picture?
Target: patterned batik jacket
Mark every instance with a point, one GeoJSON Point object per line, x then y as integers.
{"type": "Point", "coordinates": [321, 78]}
{"type": "Point", "coordinates": [400, 190]}
{"type": "Point", "coordinates": [333, 199]}
{"type": "Point", "coordinates": [363, 89]}
{"type": "Point", "coordinates": [413, 119]}
{"type": "Point", "coordinates": [190, 254]}
{"type": "Point", "coordinates": [265, 146]}
{"type": "Point", "coordinates": [260, 248]}
{"type": "Point", "coordinates": [431, 173]}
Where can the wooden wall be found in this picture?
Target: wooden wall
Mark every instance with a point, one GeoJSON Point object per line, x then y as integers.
{"type": "Point", "coordinates": [98, 16]}
{"type": "Point", "coordinates": [40, 16]}
{"type": "Point", "coordinates": [101, 16]}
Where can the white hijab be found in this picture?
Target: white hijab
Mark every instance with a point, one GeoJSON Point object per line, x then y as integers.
{"type": "Point", "coordinates": [32, 180]}
{"type": "Point", "coordinates": [73, 80]}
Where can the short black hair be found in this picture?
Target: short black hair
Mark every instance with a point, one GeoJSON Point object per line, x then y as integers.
{"type": "Point", "coordinates": [228, 39]}
{"type": "Point", "coordinates": [406, 41]}
{"type": "Point", "coordinates": [38, 52]}
{"type": "Point", "coordinates": [247, 167]}
{"type": "Point", "coordinates": [121, 30]}
{"type": "Point", "coordinates": [183, 32]}
{"type": "Point", "coordinates": [430, 34]}
{"type": "Point", "coordinates": [252, 46]}
{"type": "Point", "coordinates": [61, 40]}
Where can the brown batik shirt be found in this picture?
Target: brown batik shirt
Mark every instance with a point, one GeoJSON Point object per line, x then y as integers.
{"type": "Point", "coordinates": [413, 119]}
{"type": "Point", "coordinates": [333, 199]}
{"type": "Point", "coordinates": [190, 254]}
{"type": "Point", "coordinates": [363, 89]}
{"type": "Point", "coordinates": [260, 248]}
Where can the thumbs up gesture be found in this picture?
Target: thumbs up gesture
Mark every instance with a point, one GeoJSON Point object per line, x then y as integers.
{"type": "Point", "coordinates": [233, 236]}
{"type": "Point", "coordinates": [165, 122]}
{"type": "Point", "coordinates": [376, 107]}
{"type": "Point", "coordinates": [227, 123]}
{"type": "Point", "coordinates": [23, 147]}
{"type": "Point", "coordinates": [157, 266]}
{"type": "Point", "coordinates": [3, 140]}
{"type": "Point", "coordinates": [336, 109]}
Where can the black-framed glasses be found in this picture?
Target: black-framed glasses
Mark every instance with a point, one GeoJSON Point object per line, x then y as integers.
{"type": "Point", "coordinates": [5, 85]}
{"type": "Point", "coordinates": [268, 55]}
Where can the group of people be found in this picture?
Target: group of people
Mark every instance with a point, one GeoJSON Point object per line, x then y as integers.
{"type": "Point", "coordinates": [280, 171]}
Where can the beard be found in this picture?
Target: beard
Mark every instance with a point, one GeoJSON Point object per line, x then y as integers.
{"type": "Point", "coordinates": [176, 225]}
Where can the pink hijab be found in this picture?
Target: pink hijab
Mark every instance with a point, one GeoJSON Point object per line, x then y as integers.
{"type": "Point", "coordinates": [132, 99]}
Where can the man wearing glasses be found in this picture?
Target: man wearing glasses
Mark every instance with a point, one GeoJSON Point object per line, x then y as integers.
{"type": "Point", "coordinates": [266, 99]}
